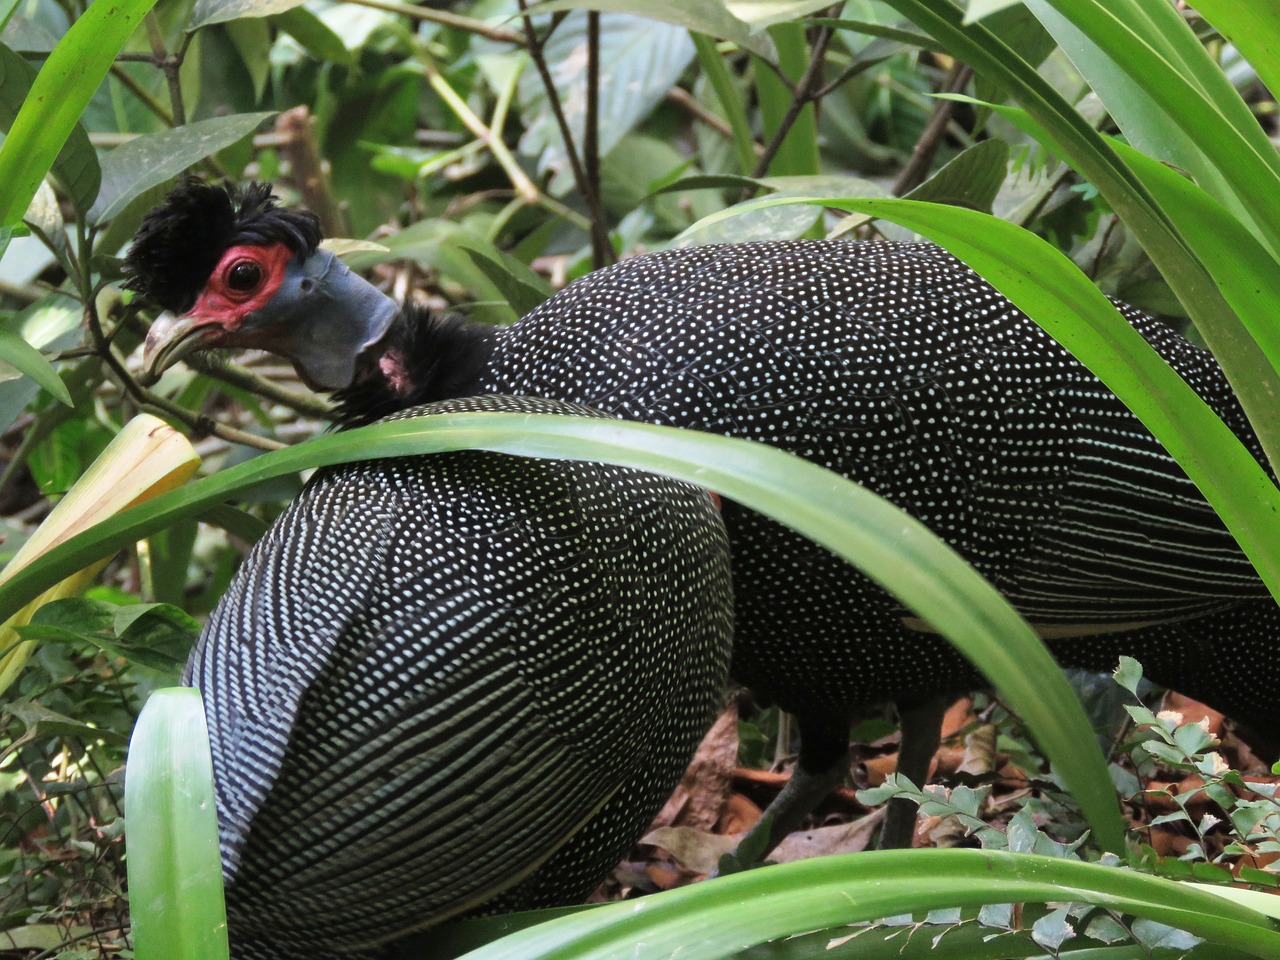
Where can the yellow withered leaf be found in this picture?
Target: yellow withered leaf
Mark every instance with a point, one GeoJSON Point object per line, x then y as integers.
{"type": "Point", "coordinates": [147, 458]}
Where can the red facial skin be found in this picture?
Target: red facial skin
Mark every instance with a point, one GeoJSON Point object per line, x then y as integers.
{"type": "Point", "coordinates": [224, 306]}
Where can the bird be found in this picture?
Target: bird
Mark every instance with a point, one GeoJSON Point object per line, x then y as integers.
{"type": "Point", "coordinates": [890, 363]}
{"type": "Point", "coordinates": [455, 682]}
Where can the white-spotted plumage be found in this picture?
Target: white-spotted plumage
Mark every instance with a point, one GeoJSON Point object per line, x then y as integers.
{"type": "Point", "coordinates": [898, 367]}
{"type": "Point", "coordinates": [451, 680]}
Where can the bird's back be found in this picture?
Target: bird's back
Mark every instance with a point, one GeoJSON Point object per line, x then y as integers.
{"type": "Point", "coordinates": [898, 367]}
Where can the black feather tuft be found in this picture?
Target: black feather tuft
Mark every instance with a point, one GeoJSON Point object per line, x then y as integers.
{"type": "Point", "coordinates": [181, 240]}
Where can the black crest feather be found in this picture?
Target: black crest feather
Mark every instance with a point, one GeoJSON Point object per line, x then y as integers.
{"type": "Point", "coordinates": [183, 238]}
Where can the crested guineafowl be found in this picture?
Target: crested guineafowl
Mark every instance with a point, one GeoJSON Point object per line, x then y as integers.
{"type": "Point", "coordinates": [456, 681]}
{"type": "Point", "coordinates": [890, 363]}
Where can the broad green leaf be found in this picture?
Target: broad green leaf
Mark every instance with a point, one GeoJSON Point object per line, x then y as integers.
{"type": "Point", "coordinates": [761, 14]}
{"type": "Point", "coordinates": [732, 103]}
{"type": "Point", "coordinates": [44, 218]}
{"type": "Point", "coordinates": [721, 918]}
{"type": "Point", "coordinates": [1144, 121]}
{"type": "Point", "coordinates": [76, 165]}
{"type": "Point", "coordinates": [977, 9]}
{"type": "Point", "coordinates": [1063, 129]}
{"type": "Point", "coordinates": [209, 12]}
{"type": "Point", "coordinates": [344, 247]}
{"type": "Point", "coordinates": [1050, 289]}
{"type": "Point", "coordinates": [896, 551]}
{"type": "Point", "coordinates": [314, 35]}
{"type": "Point", "coordinates": [58, 96]}
{"type": "Point", "coordinates": [29, 361]}
{"type": "Point", "coordinates": [42, 722]}
{"type": "Point", "coordinates": [745, 222]}
{"type": "Point", "coordinates": [1201, 225]}
{"type": "Point", "coordinates": [176, 902]}
{"type": "Point", "coordinates": [55, 462]}
{"type": "Point", "coordinates": [131, 169]}
{"type": "Point", "coordinates": [639, 62]}
{"type": "Point", "coordinates": [1242, 268]}
{"type": "Point", "coordinates": [798, 153]}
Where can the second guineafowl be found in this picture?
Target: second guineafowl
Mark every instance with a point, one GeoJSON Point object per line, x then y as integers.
{"type": "Point", "coordinates": [890, 363]}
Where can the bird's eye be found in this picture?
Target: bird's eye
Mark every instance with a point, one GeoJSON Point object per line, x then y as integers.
{"type": "Point", "coordinates": [244, 276]}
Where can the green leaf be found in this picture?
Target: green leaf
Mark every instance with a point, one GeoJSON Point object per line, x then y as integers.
{"type": "Point", "coordinates": [29, 361]}
{"type": "Point", "coordinates": [895, 550]}
{"type": "Point", "coordinates": [640, 62]}
{"type": "Point", "coordinates": [42, 722]}
{"type": "Point", "coordinates": [1158, 53]}
{"type": "Point", "coordinates": [313, 35]}
{"type": "Point", "coordinates": [176, 902]}
{"type": "Point", "coordinates": [711, 17]}
{"type": "Point", "coordinates": [1199, 225]}
{"type": "Point", "coordinates": [130, 170]}
{"type": "Point", "coordinates": [1254, 28]}
{"type": "Point", "coordinates": [1128, 674]}
{"type": "Point", "coordinates": [520, 286]}
{"type": "Point", "coordinates": [76, 165]}
{"type": "Point", "coordinates": [209, 12]}
{"type": "Point", "coordinates": [1144, 120]}
{"type": "Point", "coordinates": [972, 179]}
{"type": "Point", "coordinates": [55, 463]}
{"type": "Point", "coordinates": [723, 917]}
{"type": "Point", "coordinates": [58, 96]}
{"type": "Point", "coordinates": [977, 9]}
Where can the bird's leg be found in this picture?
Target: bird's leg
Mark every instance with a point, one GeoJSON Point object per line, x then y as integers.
{"type": "Point", "coordinates": [824, 756]}
{"type": "Point", "coordinates": [921, 726]}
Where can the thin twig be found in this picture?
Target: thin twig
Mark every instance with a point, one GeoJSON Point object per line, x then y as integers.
{"type": "Point", "coordinates": [237, 376]}
{"type": "Point", "coordinates": [148, 101]}
{"type": "Point", "coordinates": [470, 25]}
{"type": "Point", "coordinates": [535, 45]}
{"type": "Point", "coordinates": [804, 94]}
{"type": "Point", "coordinates": [687, 102]}
{"type": "Point", "coordinates": [169, 65]}
{"type": "Point", "coordinates": [493, 140]}
{"type": "Point", "coordinates": [926, 148]}
{"type": "Point", "coordinates": [298, 144]}
{"type": "Point", "coordinates": [601, 248]}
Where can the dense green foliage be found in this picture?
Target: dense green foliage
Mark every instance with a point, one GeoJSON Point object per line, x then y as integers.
{"type": "Point", "coordinates": [433, 133]}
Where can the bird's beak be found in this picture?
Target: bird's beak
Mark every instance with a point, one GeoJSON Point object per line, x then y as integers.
{"type": "Point", "coordinates": [171, 338]}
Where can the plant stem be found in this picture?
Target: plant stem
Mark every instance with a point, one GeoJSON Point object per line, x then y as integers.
{"type": "Point", "coordinates": [601, 248]}
{"type": "Point", "coordinates": [590, 198]}
{"type": "Point", "coordinates": [926, 148]}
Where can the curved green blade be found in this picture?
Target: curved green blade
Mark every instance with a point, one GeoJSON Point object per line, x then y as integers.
{"type": "Point", "coordinates": [176, 901]}
{"type": "Point", "coordinates": [892, 548]}
{"type": "Point", "coordinates": [720, 918]}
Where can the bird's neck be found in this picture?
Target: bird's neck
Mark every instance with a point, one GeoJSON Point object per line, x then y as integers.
{"type": "Point", "coordinates": [422, 358]}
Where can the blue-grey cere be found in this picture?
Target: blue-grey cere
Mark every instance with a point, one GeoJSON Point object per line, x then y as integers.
{"type": "Point", "coordinates": [453, 680]}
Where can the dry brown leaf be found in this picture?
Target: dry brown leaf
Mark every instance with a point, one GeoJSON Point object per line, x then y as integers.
{"type": "Point", "coordinates": [693, 849]}
{"type": "Point", "coordinates": [700, 798]}
{"type": "Point", "coordinates": [740, 814]}
{"type": "Point", "coordinates": [839, 838]}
